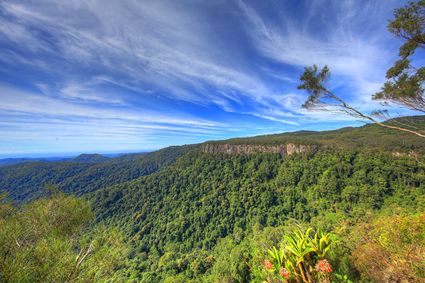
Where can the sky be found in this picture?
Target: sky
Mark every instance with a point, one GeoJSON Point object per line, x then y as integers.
{"type": "Point", "coordinates": [127, 76]}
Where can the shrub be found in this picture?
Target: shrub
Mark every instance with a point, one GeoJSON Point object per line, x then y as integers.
{"type": "Point", "coordinates": [302, 258]}
{"type": "Point", "coordinates": [391, 249]}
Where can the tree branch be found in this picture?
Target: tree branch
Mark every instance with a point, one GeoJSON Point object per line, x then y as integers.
{"type": "Point", "coordinates": [355, 112]}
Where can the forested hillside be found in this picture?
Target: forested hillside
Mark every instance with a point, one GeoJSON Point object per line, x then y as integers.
{"type": "Point", "coordinates": [88, 173]}
{"type": "Point", "coordinates": [177, 216]}
{"type": "Point", "coordinates": [193, 216]}
{"type": "Point", "coordinates": [26, 181]}
{"type": "Point", "coordinates": [370, 136]}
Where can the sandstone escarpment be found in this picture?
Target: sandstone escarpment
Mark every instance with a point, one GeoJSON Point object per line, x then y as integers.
{"type": "Point", "coordinates": [412, 154]}
{"type": "Point", "coordinates": [283, 149]}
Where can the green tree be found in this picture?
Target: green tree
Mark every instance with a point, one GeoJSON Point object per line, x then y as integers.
{"type": "Point", "coordinates": [405, 81]}
{"type": "Point", "coordinates": [47, 241]}
{"type": "Point", "coordinates": [390, 249]}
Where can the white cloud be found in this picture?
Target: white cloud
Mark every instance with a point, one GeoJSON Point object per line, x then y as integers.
{"type": "Point", "coordinates": [155, 42]}
{"type": "Point", "coordinates": [80, 92]}
{"type": "Point", "coordinates": [14, 100]}
{"type": "Point", "coordinates": [358, 58]}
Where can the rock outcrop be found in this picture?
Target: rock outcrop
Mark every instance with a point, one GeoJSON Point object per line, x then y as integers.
{"type": "Point", "coordinates": [283, 149]}
{"type": "Point", "coordinates": [412, 154]}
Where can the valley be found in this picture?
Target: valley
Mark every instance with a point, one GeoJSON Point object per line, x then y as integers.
{"type": "Point", "coordinates": [181, 208]}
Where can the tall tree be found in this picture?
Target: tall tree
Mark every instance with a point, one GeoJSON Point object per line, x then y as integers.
{"type": "Point", "coordinates": [404, 80]}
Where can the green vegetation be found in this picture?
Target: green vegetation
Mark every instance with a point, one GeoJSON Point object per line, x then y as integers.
{"type": "Point", "coordinates": [178, 217]}
{"type": "Point", "coordinates": [46, 241]}
{"type": "Point", "coordinates": [405, 80]}
{"type": "Point", "coordinates": [199, 217]}
{"type": "Point", "coordinates": [391, 248]}
{"type": "Point", "coordinates": [27, 181]}
{"type": "Point", "coordinates": [361, 138]}
{"type": "Point", "coordinates": [302, 258]}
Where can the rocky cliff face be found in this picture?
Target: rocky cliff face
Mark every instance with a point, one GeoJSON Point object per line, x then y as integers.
{"type": "Point", "coordinates": [409, 154]}
{"type": "Point", "coordinates": [284, 149]}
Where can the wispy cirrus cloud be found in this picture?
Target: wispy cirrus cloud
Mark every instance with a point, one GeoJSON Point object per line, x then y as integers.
{"type": "Point", "coordinates": [153, 42]}
{"type": "Point", "coordinates": [348, 36]}
{"type": "Point", "coordinates": [33, 103]}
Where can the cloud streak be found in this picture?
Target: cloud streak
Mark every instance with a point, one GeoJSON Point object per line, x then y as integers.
{"type": "Point", "coordinates": [356, 55]}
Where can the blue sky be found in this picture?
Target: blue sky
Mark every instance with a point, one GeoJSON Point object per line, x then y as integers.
{"type": "Point", "coordinates": [122, 76]}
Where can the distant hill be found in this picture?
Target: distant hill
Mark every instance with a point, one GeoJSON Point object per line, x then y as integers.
{"type": "Point", "coordinates": [82, 158]}
{"type": "Point", "coordinates": [11, 161]}
{"type": "Point", "coordinates": [90, 158]}
{"type": "Point", "coordinates": [83, 174]}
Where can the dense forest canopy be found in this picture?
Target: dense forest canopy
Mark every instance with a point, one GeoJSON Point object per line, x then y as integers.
{"type": "Point", "coordinates": [189, 216]}
{"type": "Point", "coordinates": [363, 138]}
{"type": "Point", "coordinates": [27, 180]}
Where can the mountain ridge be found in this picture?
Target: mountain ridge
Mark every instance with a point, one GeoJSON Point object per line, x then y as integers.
{"type": "Point", "coordinates": [88, 172]}
{"type": "Point", "coordinates": [363, 137]}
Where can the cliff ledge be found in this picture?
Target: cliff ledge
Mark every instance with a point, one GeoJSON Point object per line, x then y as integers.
{"type": "Point", "coordinates": [283, 149]}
